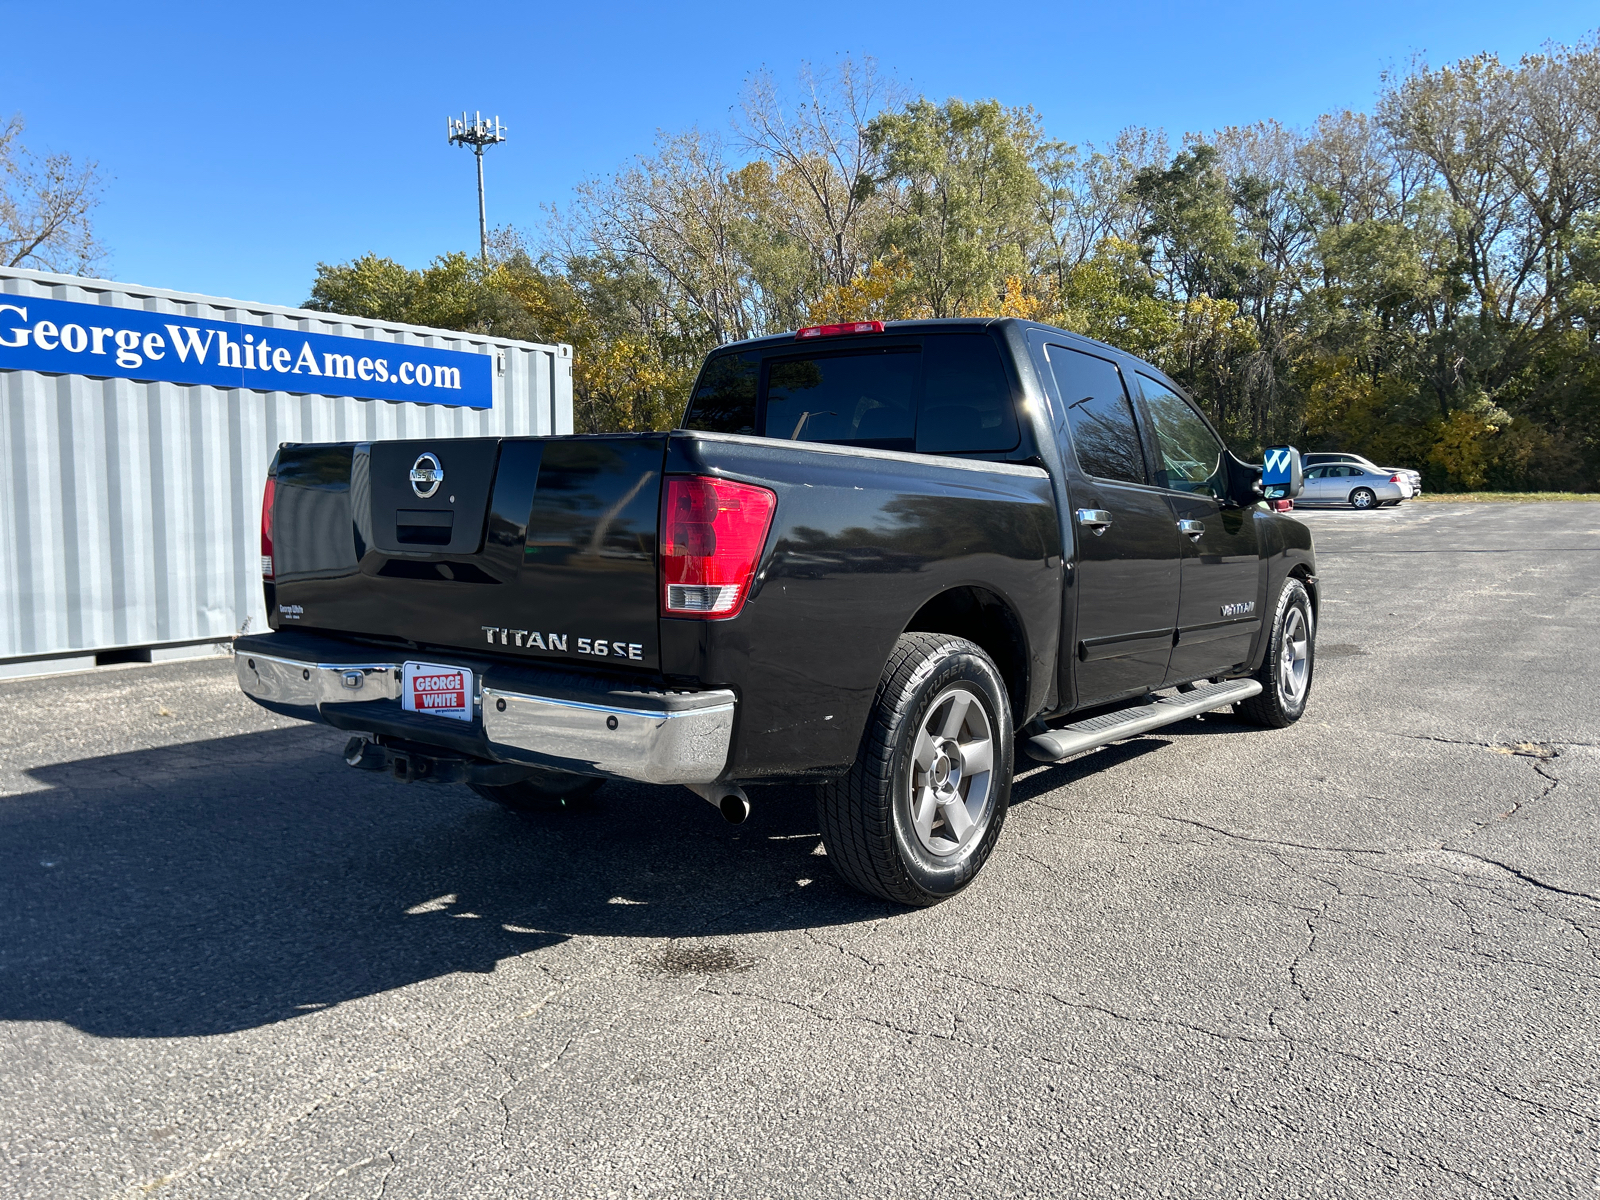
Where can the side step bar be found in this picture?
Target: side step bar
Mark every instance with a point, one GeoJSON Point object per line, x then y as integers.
{"type": "Point", "coordinates": [1142, 718]}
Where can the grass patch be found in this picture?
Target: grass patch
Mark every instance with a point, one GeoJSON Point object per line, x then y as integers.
{"type": "Point", "coordinates": [1503, 497]}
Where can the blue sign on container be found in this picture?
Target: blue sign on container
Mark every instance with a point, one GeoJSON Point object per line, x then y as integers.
{"type": "Point", "coordinates": [66, 338]}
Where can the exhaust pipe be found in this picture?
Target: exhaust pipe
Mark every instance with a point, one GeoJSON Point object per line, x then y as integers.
{"type": "Point", "coordinates": [727, 798]}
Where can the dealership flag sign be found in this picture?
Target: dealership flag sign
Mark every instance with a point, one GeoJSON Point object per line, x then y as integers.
{"type": "Point", "coordinates": [65, 338]}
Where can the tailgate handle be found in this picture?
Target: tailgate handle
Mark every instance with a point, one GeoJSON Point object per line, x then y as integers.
{"type": "Point", "coordinates": [423, 526]}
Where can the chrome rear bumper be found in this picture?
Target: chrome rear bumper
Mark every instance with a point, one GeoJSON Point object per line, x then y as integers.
{"type": "Point", "coordinates": [300, 684]}
{"type": "Point", "coordinates": [653, 746]}
{"type": "Point", "coordinates": [647, 735]}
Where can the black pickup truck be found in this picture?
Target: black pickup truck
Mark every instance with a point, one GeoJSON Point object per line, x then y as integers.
{"type": "Point", "coordinates": [874, 557]}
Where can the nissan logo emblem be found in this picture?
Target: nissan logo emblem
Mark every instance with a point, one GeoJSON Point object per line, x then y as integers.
{"type": "Point", "coordinates": [426, 475]}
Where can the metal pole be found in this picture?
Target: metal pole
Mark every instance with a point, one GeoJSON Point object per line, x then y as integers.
{"type": "Point", "coordinates": [478, 135]}
{"type": "Point", "coordinates": [483, 216]}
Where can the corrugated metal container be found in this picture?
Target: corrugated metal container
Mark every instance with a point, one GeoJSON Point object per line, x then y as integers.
{"type": "Point", "coordinates": [130, 511]}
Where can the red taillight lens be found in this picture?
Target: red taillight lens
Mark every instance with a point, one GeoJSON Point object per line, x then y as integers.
{"type": "Point", "coordinates": [266, 529]}
{"type": "Point", "coordinates": [1394, 479]}
{"type": "Point", "coordinates": [712, 532]}
{"type": "Point", "coordinates": [818, 331]}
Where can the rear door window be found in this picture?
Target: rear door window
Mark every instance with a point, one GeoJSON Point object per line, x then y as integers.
{"type": "Point", "coordinates": [1105, 439]}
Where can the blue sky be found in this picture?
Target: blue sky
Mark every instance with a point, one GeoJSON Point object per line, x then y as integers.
{"type": "Point", "coordinates": [246, 143]}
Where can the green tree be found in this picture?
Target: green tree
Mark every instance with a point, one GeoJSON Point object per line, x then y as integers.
{"type": "Point", "coordinates": [369, 286]}
{"type": "Point", "coordinates": [965, 214]}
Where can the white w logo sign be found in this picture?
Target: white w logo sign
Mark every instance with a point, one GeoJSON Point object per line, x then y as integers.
{"type": "Point", "coordinates": [1278, 461]}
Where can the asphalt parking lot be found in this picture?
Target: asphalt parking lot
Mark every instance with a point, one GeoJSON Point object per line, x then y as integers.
{"type": "Point", "coordinates": [1354, 958]}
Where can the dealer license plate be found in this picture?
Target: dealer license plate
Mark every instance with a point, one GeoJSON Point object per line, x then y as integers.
{"type": "Point", "coordinates": [438, 690]}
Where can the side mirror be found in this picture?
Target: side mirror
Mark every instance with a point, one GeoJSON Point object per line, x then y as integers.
{"type": "Point", "coordinates": [1282, 476]}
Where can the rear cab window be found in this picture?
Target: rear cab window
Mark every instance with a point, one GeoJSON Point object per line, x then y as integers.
{"type": "Point", "coordinates": [936, 393]}
{"type": "Point", "coordinates": [724, 399]}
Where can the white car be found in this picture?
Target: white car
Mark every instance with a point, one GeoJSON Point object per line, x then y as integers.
{"type": "Point", "coordinates": [1347, 484]}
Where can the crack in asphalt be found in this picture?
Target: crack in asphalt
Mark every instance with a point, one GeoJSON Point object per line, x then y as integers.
{"type": "Point", "coordinates": [1530, 880]}
{"type": "Point", "coordinates": [383, 1182]}
{"type": "Point", "coordinates": [1540, 767]}
{"type": "Point", "coordinates": [500, 1096]}
{"type": "Point", "coordinates": [1278, 1038]}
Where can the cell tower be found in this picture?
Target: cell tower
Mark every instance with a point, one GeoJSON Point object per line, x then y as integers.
{"type": "Point", "coordinates": [479, 134]}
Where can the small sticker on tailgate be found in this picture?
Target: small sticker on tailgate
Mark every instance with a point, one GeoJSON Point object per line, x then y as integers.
{"type": "Point", "coordinates": [436, 689]}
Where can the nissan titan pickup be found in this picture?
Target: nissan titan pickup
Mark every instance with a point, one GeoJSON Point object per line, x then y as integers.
{"type": "Point", "coordinates": [882, 558]}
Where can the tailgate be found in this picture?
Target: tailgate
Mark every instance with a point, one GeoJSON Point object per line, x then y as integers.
{"type": "Point", "coordinates": [543, 548]}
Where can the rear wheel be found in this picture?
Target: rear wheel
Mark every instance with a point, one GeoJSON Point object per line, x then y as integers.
{"type": "Point", "coordinates": [1285, 674]}
{"type": "Point", "coordinates": [543, 792]}
{"type": "Point", "coordinates": [919, 812]}
{"type": "Point", "coordinates": [1363, 498]}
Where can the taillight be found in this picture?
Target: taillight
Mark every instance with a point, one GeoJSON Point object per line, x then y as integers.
{"type": "Point", "coordinates": [820, 331]}
{"type": "Point", "coordinates": [712, 532]}
{"type": "Point", "coordinates": [1394, 479]}
{"type": "Point", "coordinates": [266, 529]}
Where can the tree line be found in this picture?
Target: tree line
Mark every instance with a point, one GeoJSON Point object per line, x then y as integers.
{"type": "Point", "coordinates": [1419, 283]}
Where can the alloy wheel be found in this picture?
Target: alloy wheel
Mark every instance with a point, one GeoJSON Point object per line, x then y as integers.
{"type": "Point", "coordinates": [1294, 658]}
{"type": "Point", "coordinates": [951, 770]}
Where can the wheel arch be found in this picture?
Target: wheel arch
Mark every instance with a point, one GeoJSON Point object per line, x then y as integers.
{"type": "Point", "coordinates": [987, 619]}
{"type": "Point", "coordinates": [1308, 580]}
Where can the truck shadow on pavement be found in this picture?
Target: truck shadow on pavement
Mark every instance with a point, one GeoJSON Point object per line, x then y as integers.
{"type": "Point", "coordinates": [223, 885]}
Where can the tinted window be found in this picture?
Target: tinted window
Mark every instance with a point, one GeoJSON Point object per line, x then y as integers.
{"type": "Point", "coordinates": [966, 398]}
{"type": "Point", "coordinates": [725, 399]}
{"type": "Point", "coordinates": [1188, 456]}
{"type": "Point", "coordinates": [861, 398]}
{"type": "Point", "coordinates": [1104, 437]}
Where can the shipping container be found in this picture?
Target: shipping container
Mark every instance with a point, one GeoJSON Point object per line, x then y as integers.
{"type": "Point", "coordinates": [130, 508]}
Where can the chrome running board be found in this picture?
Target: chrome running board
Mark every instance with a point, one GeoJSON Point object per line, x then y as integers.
{"type": "Point", "coordinates": [1109, 727]}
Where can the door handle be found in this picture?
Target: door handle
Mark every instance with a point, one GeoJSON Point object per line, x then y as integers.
{"type": "Point", "coordinates": [1097, 519]}
{"type": "Point", "coordinates": [1193, 528]}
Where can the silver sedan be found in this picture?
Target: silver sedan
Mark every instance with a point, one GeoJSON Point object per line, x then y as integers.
{"type": "Point", "coordinates": [1346, 484]}
{"type": "Point", "coordinates": [1317, 457]}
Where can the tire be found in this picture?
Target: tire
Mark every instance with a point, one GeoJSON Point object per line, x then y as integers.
{"type": "Point", "coordinates": [1363, 499]}
{"type": "Point", "coordinates": [545, 792]}
{"type": "Point", "coordinates": [1286, 671]}
{"type": "Point", "coordinates": [908, 823]}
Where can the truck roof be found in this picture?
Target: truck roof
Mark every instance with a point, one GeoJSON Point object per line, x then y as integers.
{"type": "Point", "coordinates": [936, 325]}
